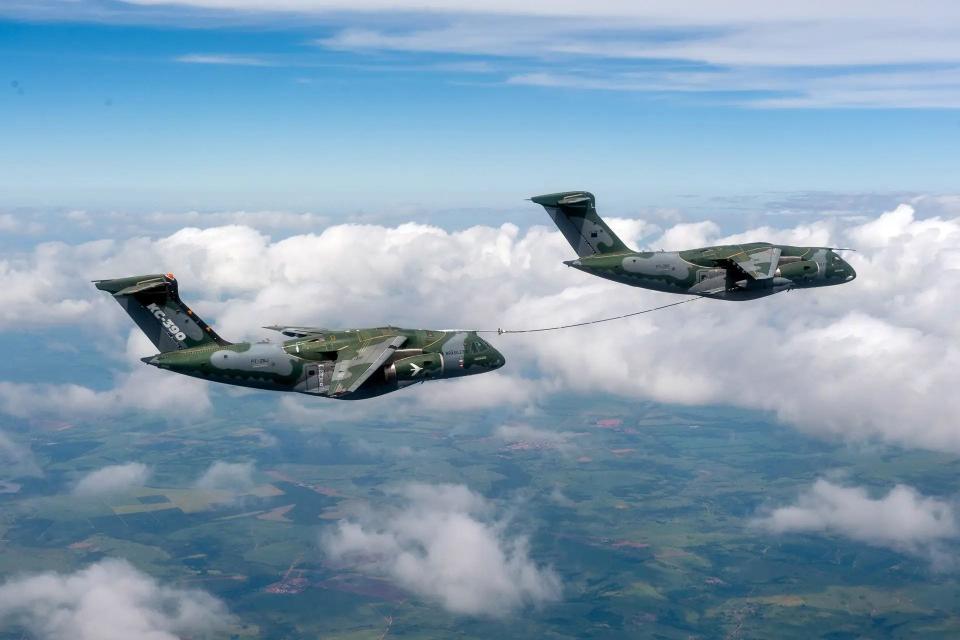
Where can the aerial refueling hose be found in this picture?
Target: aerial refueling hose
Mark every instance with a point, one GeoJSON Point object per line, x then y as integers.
{"type": "Point", "coordinates": [583, 324]}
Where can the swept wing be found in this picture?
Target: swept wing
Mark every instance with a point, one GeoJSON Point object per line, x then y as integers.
{"type": "Point", "coordinates": [757, 264]}
{"type": "Point", "coordinates": [297, 332]}
{"type": "Point", "coordinates": [356, 363]}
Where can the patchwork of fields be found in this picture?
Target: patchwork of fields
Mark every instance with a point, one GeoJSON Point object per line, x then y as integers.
{"type": "Point", "coordinates": [645, 513]}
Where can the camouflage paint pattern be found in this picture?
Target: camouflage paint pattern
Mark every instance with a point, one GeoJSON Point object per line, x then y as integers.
{"type": "Point", "coordinates": [727, 272]}
{"type": "Point", "coordinates": [347, 364]}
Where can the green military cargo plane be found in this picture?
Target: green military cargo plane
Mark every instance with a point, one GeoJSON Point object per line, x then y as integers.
{"type": "Point", "coordinates": [729, 272]}
{"type": "Point", "coordinates": [350, 364]}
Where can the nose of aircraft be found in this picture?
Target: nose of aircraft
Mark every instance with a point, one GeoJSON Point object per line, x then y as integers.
{"type": "Point", "coordinates": [851, 274]}
{"type": "Point", "coordinates": [495, 359]}
{"type": "Point", "coordinates": [844, 271]}
{"type": "Point", "coordinates": [838, 270]}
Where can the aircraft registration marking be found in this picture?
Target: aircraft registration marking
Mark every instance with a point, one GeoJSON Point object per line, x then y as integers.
{"type": "Point", "coordinates": [166, 322]}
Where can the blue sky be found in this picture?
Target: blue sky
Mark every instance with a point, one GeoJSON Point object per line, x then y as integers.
{"type": "Point", "coordinates": [221, 104]}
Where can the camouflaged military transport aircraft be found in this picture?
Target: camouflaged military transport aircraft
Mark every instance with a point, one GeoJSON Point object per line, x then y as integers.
{"type": "Point", "coordinates": [729, 272]}
{"type": "Point", "coordinates": [350, 364]}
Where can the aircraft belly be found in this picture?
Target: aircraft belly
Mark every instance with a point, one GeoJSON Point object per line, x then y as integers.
{"type": "Point", "coordinates": [655, 283]}
{"type": "Point", "coordinates": [738, 295]}
{"type": "Point", "coordinates": [242, 379]}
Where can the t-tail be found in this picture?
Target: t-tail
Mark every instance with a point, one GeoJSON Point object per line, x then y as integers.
{"type": "Point", "coordinates": [154, 304]}
{"type": "Point", "coordinates": [575, 214]}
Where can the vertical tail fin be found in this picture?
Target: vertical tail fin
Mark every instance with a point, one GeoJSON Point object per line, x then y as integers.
{"type": "Point", "coordinates": [154, 304]}
{"type": "Point", "coordinates": [575, 214]}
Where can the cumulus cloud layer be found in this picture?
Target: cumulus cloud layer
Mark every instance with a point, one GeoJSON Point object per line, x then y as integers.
{"type": "Point", "coordinates": [903, 519]}
{"type": "Point", "coordinates": [137, 389]}
{"type": "Point", "coordinates": [227, 476]}
{"type": "Point", "coordinates": [445, 543]}
{"type": "Point", "coordinates": [141, 389]}
{"type": "Point", "coordinates": [109, 600]}
{"type": "Point", "coordinates": [112, 479]}
{"type": "Point", "coordinates": [861, 361]}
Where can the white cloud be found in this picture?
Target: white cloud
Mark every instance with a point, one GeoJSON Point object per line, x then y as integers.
{"type": "Point", "coordinates": [109, 600]}
{"type": "Point", "coordinates": [142, 389]}
{"type": "Point", "coordinates": [10, 223]}
{"type": "Point", "coordinates": [860, 361]}
{"type": "Point", "coordinates": [113, 479]}
{"type": "Point", "coordinates": [684, 235]}
{"type": "Point", "coordinates": [798, 55]}
{"type": "Point", "coordinates": [222, 59]}
{"type": "Point", "coordinates": [236, 477]}
{"type": "Point", "coordinates": [495, 389]}
{"type": "Point", "coordinates": [903, 519]}
{"type": "Point", "coordinates": [256, 219]}
{"type": "Point", "coordinates": [472, 393]}
{"type": "Point", "coordinates": [38, 289]}
{"type": "Point", "coordinates": [16, 460]}
{"type": "Point", "coordinates": [657, 12]}
{"type": "Point", "coordinates": [559, 498]}
{"type": "Point", "coordinates": [445, 543]}
{"type": "Point", "coordinates": [835, 63]}
{"type": "Point", "coordinates": [827, 56]}
{"type": "Point", "coordinates": [855, 87]}
{"type": "Point", "coordinates": [747, 35]}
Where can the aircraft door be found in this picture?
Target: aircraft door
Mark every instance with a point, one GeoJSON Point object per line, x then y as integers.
{"type": "Point", "coordinates": [316, 378]}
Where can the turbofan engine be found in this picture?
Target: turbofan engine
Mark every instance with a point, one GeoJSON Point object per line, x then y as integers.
{"type": "Point", "coordinates": [416, 368]}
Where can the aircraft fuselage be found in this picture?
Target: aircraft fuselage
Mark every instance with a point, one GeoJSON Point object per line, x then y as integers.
{"type": "Point", "coordinates": [307, 363]}
{"type": "Point", "coordinates": [706, 271]}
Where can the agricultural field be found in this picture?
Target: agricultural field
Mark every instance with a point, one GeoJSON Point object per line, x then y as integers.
{"type": "Point", "coordinates": [646, 514]}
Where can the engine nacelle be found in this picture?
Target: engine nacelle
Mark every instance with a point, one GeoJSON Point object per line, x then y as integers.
{"type": "Point", "coordinates": [416, 368]}
{"type": "Point", "coordinates": [776, 284]}
{"type": "Point", "coordinates": [800, 270]}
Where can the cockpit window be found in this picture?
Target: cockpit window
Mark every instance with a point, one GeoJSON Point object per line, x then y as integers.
{"type": "Point", "coordinates": [476, 347]}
